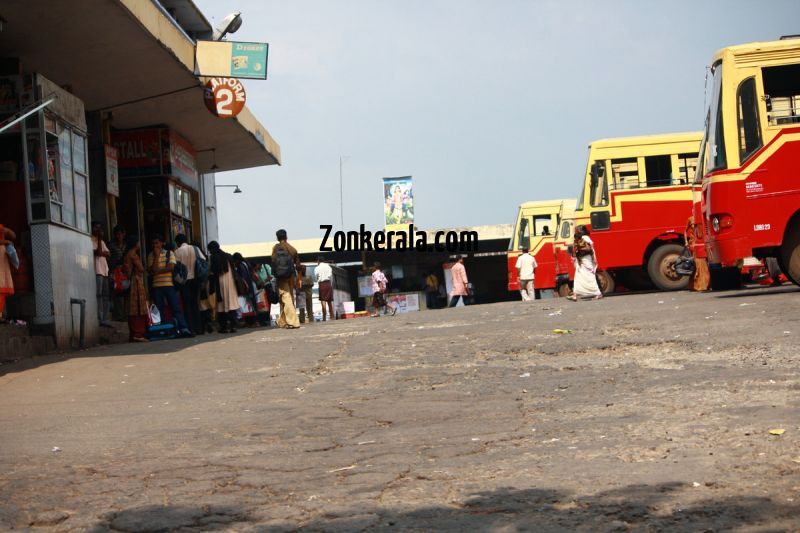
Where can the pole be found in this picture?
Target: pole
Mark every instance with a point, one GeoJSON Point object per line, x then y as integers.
{"type": "Point", "coordinates": [341, 195]}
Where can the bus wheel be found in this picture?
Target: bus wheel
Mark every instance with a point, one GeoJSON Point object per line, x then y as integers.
{"type": "Point", "coordinates": [661, 268]}
{"type": "Point", "coordinates": [790, 253]}
{"type": "Point", "coordinates": [606, 282]}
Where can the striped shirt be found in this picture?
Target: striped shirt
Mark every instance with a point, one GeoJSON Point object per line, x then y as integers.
{"type": "Point", "coordinates": [162, 279]}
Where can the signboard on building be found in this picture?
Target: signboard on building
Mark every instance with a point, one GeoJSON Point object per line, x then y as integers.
{"type": "Point", "coordinates": [398, 203]}
{"type": "Point", "coordinates": [224, 97]}
{"type": "Point", "coordinates": [154, 152]}
{"type": "Point", "coordinates": [231, 59]}
{"type": "Point", "coordinates": [112, 171]}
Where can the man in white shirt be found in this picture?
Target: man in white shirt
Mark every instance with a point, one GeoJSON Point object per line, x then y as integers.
{"type": "Point", "coordinates": [526, 265]}
{"type": "Point", "coordinates": [323, 274]}
{"type": "Point", "coordinates": [186, 254]}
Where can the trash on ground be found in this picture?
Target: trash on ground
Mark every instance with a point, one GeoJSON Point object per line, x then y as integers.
{"type": "Point", "coordinates": [55, 449]}
{"type": "Point", "coordinates": [342, 469]}
{"type": "Point", "coordinates": [562, 331]}
{"type": "Point", "coordinates": [525, 375]}
{"type": "Point", "coordinates": [777, 431]}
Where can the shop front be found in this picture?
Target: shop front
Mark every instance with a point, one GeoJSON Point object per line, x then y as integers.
{"type": "Point", "coordinates": [44, 198]}
{"type": "Point", "coordinates": [159, 185]}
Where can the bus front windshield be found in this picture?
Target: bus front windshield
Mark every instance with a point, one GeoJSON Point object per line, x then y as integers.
{"type": "Point", "coordinates": [712, 148]}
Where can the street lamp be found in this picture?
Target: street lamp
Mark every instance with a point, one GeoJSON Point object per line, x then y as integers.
{"type": "Point", "coordinates": [236, 189]}
{"type": "Point", "coordinates": [229, 24]}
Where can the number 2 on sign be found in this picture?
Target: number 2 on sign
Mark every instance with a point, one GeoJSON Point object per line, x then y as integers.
{"type": "Point", "coordinates": [224, 99]}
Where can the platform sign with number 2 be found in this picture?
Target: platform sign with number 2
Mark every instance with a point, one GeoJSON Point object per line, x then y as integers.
{"type": "Point", "coordinates": [224, 97]}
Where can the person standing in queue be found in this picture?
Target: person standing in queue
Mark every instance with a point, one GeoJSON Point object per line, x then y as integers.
{"type": "Point", "coordinates": [7, 238]}
{"type": "Point", "coordinates": [223, 287]}
{"type": "Point", "coordinates": [160, 263]}
{"type": "Point", "coordinates": [460, 283]}
{"type": "Point", "coordinates": [135, 301]}
{"type": "Point", "coordinates": [285, 262]}
{"type": "Point", "coordinates": [187, 254]}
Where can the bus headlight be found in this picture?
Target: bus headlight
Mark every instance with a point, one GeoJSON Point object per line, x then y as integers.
{"type": "Point", "coordinates": [715, 224]}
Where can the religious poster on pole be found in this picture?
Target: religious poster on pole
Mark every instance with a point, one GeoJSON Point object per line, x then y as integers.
{"type": "Point", "coordinates": [398, 203]}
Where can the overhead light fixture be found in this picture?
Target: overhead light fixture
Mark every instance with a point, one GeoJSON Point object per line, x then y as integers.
{"type": "Point", "coordinates": [236, 189]}
{"type": "Point", "coordinates": [230, 24]}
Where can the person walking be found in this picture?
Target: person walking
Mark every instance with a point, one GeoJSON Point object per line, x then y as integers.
{"type": "Point", "coordinates": [306, 287]}
{"type": "Point", "coordinates": [222, 284]}
{"type": "Point", "coordinates": [285, 262]}
{"type": "Point", "coordinates": [324, 275]}
{"type": "Point", "coordinates": [7, 238]}
{"type": "Point", "coordinates": [460, 283]}
{"type": "Point", "coordinates": [187, 255]}
{"type": "Point", "coordinates": [585, 285]}
{"type": "Point", "coordinates": [135, 302]}
{"type": "Point", "coordinates": [431, 290]}
{"type": "Point", "coordinates": [101, 271]}
{"type": "Point", "coordinates": [118, 248]}
{"type": "Point", "coordinates": [160, 264]}
{"type": "Point", "coordinates": [379, 285]}
{"type": "Point", "coordinates": [526, 267]}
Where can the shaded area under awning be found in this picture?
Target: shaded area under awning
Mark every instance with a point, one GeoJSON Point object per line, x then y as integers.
{"type": "Point", "coordinates": [118, 55]}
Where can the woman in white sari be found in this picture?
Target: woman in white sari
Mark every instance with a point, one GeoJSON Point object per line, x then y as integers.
{"type": "Point", "coordinates": [585, 285]}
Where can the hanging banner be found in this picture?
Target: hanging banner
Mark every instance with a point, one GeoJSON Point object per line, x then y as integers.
{"type": "Point", "coordinates": [398, 203]}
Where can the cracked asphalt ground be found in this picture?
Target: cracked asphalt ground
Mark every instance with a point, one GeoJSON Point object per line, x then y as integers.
{"type": "Point", "coordinates": [653, 414]}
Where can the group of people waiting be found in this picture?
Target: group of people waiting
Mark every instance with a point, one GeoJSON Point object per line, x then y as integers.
{"type": "Point", "coordinates": [189, 286]}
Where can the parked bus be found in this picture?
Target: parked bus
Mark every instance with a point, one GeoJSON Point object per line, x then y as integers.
{"type": "Point", "coordinates": [750, 153]}
{"type": "Point", "coordinates": [536, 225]}
{"type": "Point", "coordinates": [636, 199]}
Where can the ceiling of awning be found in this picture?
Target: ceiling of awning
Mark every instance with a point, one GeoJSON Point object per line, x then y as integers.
{"type": "Point", "coordinates": [112, 61]}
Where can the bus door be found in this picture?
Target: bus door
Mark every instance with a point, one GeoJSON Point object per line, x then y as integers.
{"type": "Point", "coordinates": [600, 215]}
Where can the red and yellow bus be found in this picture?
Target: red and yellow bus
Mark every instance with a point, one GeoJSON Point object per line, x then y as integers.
{"type": "Point", "coordinates": [636, 199]}
{"type": "Point", "coordinates": [536, 225]}
{"type": "Point", "coordinates": [750, 156]}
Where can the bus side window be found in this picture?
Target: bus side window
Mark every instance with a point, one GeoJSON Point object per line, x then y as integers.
{"type": "Point", "coordinates": [625, 173]}
{"type": "Point", "coordinates": [524, 235]}
{"type": "Point", "coordinates": [658, 170]}
{"type": "Point", "coordinates": [747, 111]}
{"type": "Point", "coordinates": [541, 225]}
{"type": "Point", "coordinates": [566, 231]}
{"type": "Point", "coordinates": [782, 91]}
{"type": "Point", "coordinates": [687, 165]}
{"type": "Point", "coordinates": [598, 193]}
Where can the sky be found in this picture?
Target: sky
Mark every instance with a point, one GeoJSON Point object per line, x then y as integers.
{"type": "Point", "coordinates": [487, 104]}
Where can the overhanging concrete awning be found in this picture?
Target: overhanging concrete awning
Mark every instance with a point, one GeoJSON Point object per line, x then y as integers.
{"type": "Point", "coordinates": [130, 58]}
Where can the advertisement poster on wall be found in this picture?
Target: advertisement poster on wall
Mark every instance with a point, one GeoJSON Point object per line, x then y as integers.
{"type": "Point", "coordinates": [405, 303]}
{"type": "Point", "coordinates": [112, 171]}
{"type": "Point", "coordinates": [398, 203]}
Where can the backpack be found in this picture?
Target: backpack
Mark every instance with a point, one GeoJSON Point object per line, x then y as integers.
{"type": "Point", "coordinates": [201, 267]}
{"type": "Point", "coordinates": [284, 264]}
{"type": "Point", "coordinates": [179, 273]}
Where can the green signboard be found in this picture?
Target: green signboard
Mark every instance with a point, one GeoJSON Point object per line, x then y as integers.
{"type": "Point", "coordinates": [249, 60]}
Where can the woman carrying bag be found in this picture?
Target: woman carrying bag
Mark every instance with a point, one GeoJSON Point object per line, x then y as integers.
{"type": "Point", "coordinates": [6, 282]}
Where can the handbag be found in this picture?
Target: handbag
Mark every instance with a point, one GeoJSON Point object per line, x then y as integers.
{"type": "Point", "coordinates": [201, 267]}
{"type": "Point", "coordinates": [121, 283]}
{"type": "Point", "coordinates": [684, 265]}
{"type": "Point", "coordinates": [13, 258]}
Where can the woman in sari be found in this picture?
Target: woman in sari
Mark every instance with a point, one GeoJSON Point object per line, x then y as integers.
{"type": "Point", "coordinates": [136, 299]}
{"type": "Point", "coordinates": [585, 285]}
{"type": "Point", "coordinates": [222, 284]}
{"type": "Point", "coordinates": [702, 277]}
{"type": "Point", "coordinates": [6, 282]}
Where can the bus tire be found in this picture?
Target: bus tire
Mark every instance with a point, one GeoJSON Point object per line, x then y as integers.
{"type": "Point", "coordinates": [790, 252]}
{"type": "Point", "coordinates": [606, 282]}
{"type": "Point", "coordinates": [661, 268]}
